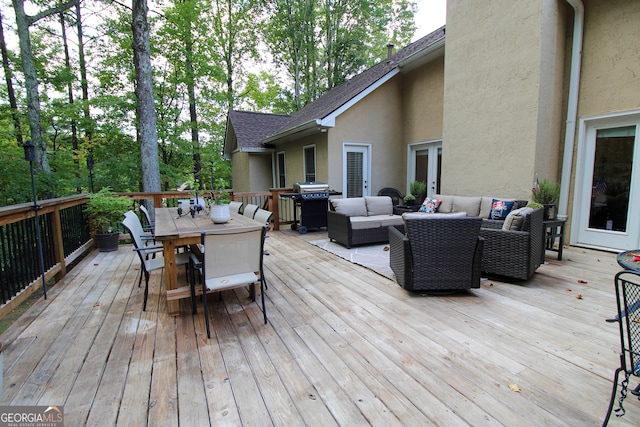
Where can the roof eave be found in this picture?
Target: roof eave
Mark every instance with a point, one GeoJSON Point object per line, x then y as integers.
{"type": "Point", "coordinates": [428, 54]}
{"type": "Point", "coordinates": [308, 128]}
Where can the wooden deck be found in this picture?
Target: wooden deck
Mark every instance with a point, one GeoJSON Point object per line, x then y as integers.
{"type": "Point", "coordinates": [343, 346]}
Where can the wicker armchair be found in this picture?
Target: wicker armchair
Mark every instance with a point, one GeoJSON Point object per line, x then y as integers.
{"type": "Point", "coordinates": [510, 253]}
{"type": "Point", "coordinates": [437, 254]}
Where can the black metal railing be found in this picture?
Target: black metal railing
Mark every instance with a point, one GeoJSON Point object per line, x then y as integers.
{"type": "Point", "coordinates": [65, 235]}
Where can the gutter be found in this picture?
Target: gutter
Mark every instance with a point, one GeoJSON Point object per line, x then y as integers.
{"type": "Point", "coordinates": [312, 124]}
{"type": "Point", "coordinates": [572, 107]}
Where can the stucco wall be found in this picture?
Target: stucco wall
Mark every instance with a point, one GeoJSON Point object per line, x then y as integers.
{"type": "Point", "coordinates": [375, 120]}
{"type": "Point", "coordinates": [294, 160]}
{"type": "Point", "coordinates": [501, 98]}
{"type": "Point", "coordinates": [610, 73]}
{"type": "Point", "coordinates": [240, 172]}
{"type": "Point", "coordinates": [422, 99]}
{"type": "Point", "coordinates": [260, 170]}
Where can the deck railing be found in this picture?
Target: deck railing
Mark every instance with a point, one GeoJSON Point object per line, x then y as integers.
{"type": "Point", "coordinates": [66, 237]}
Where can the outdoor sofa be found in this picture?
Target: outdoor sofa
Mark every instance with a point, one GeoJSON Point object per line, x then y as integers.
{"type": "Point", "coordinates": [361, 220]}
{"type": "Point", "coordinates": [515, 252]}
{"type": "Point", "coordinates": [513, 243]}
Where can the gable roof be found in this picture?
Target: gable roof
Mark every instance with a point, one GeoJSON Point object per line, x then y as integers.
{"type": "Point", "coordinates": [246, 130]}
{"type": "Point", "coordinates": [252, 132]}
{"type": "Point", "coordinates": [322, 112]}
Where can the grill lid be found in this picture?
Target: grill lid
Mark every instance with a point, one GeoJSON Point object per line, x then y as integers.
{"type": "Point", "coordinates": [310, 187]}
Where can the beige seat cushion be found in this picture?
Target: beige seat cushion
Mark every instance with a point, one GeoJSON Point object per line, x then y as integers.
{"type": "Point", "coordinates": [354, 206]}
{"type": "Point", "coordinates": [364, 223]}
{"type": "Point", "coordinates": [389, 220]}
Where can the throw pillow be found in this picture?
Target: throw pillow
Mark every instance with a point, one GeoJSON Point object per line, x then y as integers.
{"type": "Point", "coordinates": [429, 205]}
{"type": "Point", "coordinates": [515, 219]}
{"type": "Point", "coordinates": [500, 209]}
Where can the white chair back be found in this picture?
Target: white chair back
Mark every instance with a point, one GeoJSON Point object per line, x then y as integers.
{"type": "Point", "coordinates": [250, 210]}
{"type": "Point", "coordinates": [230, 257]}
{"type": "Point", "coordinates": [263, 216]}
{"type": "Point", "coordinates": [234, 207]}
{"type": "Point", "coordinates": [132, 223]}
{"type": "Point", "coordinates": [145, 212]}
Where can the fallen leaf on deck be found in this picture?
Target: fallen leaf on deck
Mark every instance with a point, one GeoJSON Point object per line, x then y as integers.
{"type": "Point", "coordinates": [579, 296]}
{"type": "Point", "coordinates": [584, 282]}
{"type": "Point", "coordinates": [96, 264]}
{"type": "Point", "coordinates": [386, 248]}
{"type": "Point", "coordinates": [568, 290]}
{"type": "Point", "coordinates": [96, 304]}
{"type": "Point", "coordinates": [514, 387]}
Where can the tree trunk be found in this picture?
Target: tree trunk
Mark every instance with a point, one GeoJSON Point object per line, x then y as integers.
{"type": "Point", "coordinates": [23, 21]}
{"type": "Point", "coordinates": [193, 115]}
{"type": "Point", "coordinates": [31, 87]}
{"type": "Point", "coordinates": [83, 74]}
{"type": "Point", "coordinates": [74, 127]}
{"type": "Point", "coordinates": [147, 120]}
{"type": "Point", "coordinates": [8, 75]}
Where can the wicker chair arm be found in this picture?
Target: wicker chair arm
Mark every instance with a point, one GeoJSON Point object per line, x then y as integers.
{"type": "Point", "coordinates": [339, 228]}
{"type": "Point", "coordinates": [400, 258]}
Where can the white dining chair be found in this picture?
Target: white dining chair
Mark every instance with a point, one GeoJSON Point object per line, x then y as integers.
{"type": "Point", "coordinates": [250, 210]}
{"type": "Point", "coordinates": [230, 260]}
{"type": "Point", "coordinates": [132, 224]}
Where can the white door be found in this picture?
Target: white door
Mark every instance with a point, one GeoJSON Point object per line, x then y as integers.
{"type": "Point", "coordinates": [425, 160]}
{"type": "Point", "coordinates": [355, 170]}
{"type": "Point", "coordinates": [607, 199]}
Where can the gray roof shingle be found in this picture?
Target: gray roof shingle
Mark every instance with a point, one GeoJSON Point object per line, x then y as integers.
{"type": "Point", "coordinates": [252, 129]}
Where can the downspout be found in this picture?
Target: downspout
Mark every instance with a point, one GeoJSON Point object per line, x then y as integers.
{"type": "Point", "coordinates": [572, 107]}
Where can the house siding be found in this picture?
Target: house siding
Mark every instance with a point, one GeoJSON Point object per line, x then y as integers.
{"type": "Point", "coordinates": [610, 74]}
{"type": "Point", "coordinates": [502, 121]}
{"type": "Point", "coordinates": [375, 120]}
{"type": "Point", "coordinates": [422, 103]}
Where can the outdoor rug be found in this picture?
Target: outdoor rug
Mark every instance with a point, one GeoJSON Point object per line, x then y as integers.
{"type": "Point", "coordinates": [373, 257]}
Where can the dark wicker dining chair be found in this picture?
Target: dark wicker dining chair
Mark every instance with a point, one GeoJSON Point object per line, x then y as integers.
{"type": "Point", "coordinates": [627, 285]}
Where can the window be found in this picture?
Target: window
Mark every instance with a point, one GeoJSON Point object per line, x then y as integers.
{"type": "Point", "coordinates": [282, 177]}
{"type": "Point", "coordinates": [310, 163]}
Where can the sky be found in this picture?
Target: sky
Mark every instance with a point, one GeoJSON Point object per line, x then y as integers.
{"type": "Point", "coordinates": [431, 15]}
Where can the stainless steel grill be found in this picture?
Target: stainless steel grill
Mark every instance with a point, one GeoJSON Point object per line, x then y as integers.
{"type": "Point", "coordinates": [312, 198]}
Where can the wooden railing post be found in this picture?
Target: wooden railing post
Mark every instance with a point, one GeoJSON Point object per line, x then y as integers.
{"type": "Point", "coordinates": [58, 242]}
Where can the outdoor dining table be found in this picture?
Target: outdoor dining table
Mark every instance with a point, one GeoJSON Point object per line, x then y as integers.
{"type": "Point", "coordinates": [174, 231]}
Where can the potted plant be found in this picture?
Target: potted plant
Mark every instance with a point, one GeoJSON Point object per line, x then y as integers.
{"type": "Point", "coordinates": [547, 194]}
{"type": "Point", "coordinates": [104, 210]}
{"type": "Point", "coordinates": [219, 210]}
{"type": "Point", "coordinates": [418, 189]}
{"type": "Point", "coordinates": [409, 199]}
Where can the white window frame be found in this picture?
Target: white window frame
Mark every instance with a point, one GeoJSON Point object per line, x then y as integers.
{"type": "Point", "coordinates": [304, 162]}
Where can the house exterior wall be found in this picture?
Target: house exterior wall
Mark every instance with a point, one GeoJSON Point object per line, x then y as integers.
{"type": "Point", "coordinates": [610, 73]}
{"type": "Point", "coordinates": [240, 172]}
{"type": "Point", "coordinates": [260, 172]}
{"type": "Point", "coordinates": [294, 158]}
{"type": "Point", "coordinates": [504, 69]}
{"type": "Point", "coordinates": [422, 103]}
{"type": "Point", "coordinates": [251, 172]}
{"type": "Point", "coordinates": [375, 120]}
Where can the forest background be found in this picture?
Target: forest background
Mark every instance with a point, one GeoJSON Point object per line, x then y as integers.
{"type": "Point", "coordinates": [207, 57]}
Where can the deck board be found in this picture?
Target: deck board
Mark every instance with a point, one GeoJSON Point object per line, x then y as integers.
{"type": "Point", "coordinates": [343, 346]}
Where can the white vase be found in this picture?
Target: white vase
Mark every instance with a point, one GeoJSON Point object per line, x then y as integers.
{"type": "Point", "coordinates": [220, 213]}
